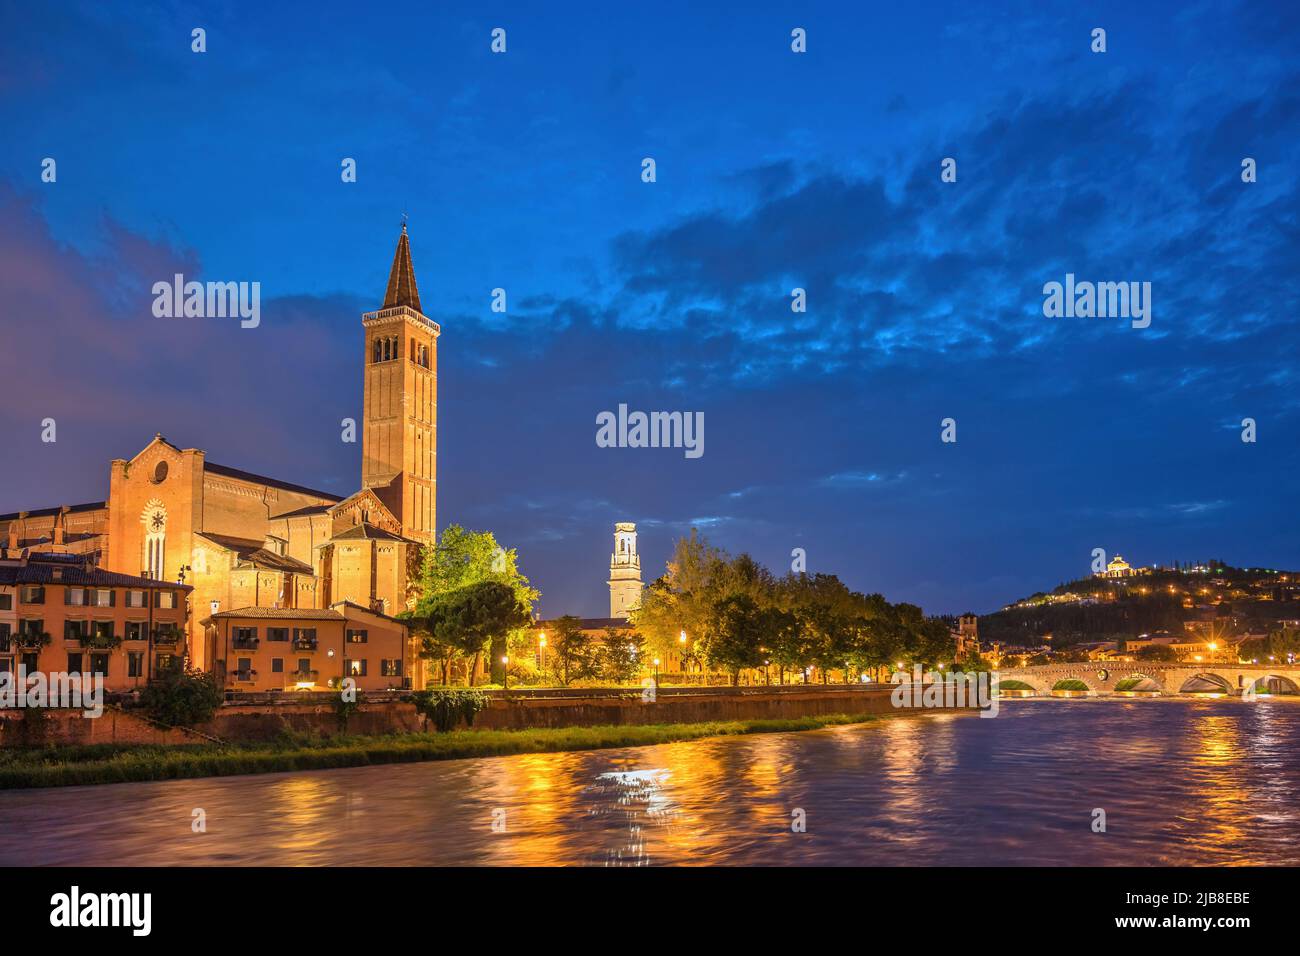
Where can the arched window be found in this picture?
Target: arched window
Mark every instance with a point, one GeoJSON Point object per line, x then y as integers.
{"type": "Point", "coordinates": [412, 350]}
{"type": "Point", "coordinates": [377, 346]}
{"type": "Point", "coordinates": [424, 355]}
{"type": "Point", "coordinates": [388, 347]}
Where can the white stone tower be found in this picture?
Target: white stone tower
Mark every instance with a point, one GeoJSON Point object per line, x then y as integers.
{"type": "Point", "coordinates": [624, 571]}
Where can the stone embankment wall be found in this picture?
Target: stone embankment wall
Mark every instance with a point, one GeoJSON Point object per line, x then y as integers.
{"type": "Point", "coordinates": [265, 721]}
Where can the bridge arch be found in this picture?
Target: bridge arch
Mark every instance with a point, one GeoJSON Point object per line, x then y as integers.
{"type": "Point", "coordinates": [1206, 682]}
{"type": "Point", "coordinates": [1040, 686]}
{"type": "Point", "coordinates": [1083, 677]}
{"type": "Point", "coordinates": [1275, 685]}
{"type": "Point", "coordinates": [1139, 682]}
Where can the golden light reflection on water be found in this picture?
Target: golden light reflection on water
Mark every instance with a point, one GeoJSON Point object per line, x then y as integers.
{"type": "Point", "coordinates": [1184, 782]}
{"type": "Point", "coordinates": [304, 808]}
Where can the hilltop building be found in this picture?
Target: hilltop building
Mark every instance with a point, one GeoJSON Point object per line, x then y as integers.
{"type": "Point", "coordinates": [1117, 567]}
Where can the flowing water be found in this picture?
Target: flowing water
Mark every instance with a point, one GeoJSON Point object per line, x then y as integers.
{"type": "Point", "coordinates": [1186, 781]}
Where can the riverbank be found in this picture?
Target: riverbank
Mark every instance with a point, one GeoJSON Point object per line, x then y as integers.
{"type": "Point", "coordinates": [108, 763]}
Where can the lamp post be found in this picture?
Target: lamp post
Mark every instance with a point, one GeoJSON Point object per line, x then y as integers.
{"type": "Point", "coordinates": [656, 675]}
{"type": "Point", "coordinates": [541, 651]}
{"type": "Point", "coordinates": [505, 671]}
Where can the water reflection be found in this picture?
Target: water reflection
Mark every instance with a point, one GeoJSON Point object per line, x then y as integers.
{"type": "Point", "coordinates": [1182, 782]}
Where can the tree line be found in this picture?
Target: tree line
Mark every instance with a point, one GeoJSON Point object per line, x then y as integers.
{"type": "Point", "coordinates": [737, 616]}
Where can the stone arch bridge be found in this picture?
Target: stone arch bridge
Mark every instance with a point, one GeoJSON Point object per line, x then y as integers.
{"type": "Point", "coordinates": [1166, 679]}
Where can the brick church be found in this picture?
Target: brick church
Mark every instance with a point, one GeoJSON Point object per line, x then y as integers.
{"type": "Point", "coordinates": [255, 548]}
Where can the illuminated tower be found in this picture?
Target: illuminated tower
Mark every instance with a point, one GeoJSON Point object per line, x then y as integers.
{"type": "Point", "coordinates": [624, 571]}
{"type": "Point", "coordinates": [400, 433]}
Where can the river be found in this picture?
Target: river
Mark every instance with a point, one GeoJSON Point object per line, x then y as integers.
{"type": "Point", "coordinates": [1183, 781]}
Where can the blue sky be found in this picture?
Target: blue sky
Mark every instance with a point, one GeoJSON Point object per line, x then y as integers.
{"type": "Point", "coordinates": [775, 170]}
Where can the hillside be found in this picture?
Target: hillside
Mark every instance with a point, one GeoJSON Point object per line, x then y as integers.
{"type": "Point", "coordinates": [1212, 595]}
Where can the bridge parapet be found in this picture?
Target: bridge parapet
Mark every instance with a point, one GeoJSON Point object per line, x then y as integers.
{"type": "Point", "coordinates": [1100, 677]}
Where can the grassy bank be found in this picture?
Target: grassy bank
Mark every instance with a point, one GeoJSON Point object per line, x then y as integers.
{"type": "Point", "coordinates": [107, 763]}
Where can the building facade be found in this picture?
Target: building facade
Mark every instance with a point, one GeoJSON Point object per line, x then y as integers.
{"type": "Point", "coordinates": [70, 618]}
{"type": "Point", "coordinates": [279, 649]}
{"type": "Point", "coordinates": [238, 540]}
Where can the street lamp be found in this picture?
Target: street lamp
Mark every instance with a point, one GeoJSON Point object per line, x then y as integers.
{"type": "Point", "coordinates": [656, 675]}
{"type": "Point", "coordinates": [505, 671]}
{"type": "Point", "coordinates": [541, 650]}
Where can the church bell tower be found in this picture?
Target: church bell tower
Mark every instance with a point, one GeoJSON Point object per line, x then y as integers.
{"type": "Point", "coordinates": [399, 456]}
{"type": "Point", "coordinates": [624, 571]}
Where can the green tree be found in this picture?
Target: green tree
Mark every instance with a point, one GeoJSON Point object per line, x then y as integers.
{"type": "Point", "coordinates": [571, 653]}
{"type": "Point", "coordinates": [682, 599]}
{"type": "Point", "coordinates": [470, 619]}
{"type": "Point", "coordinates": [462, 558]}
{"type": "Point", "coordinates": [619, 657]}
{"type": "Point", "coordinates": [182, 696]}
{"type": "Point", "coordinates": [741, 627]}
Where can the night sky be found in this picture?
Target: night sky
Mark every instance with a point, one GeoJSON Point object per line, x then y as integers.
{"type": "Point", "coordinates": [775, 170]}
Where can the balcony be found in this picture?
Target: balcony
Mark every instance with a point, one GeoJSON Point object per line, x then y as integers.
{"type": "Point", "coordinates": [304, 643]}
{"type": "Point", "coordinates": [302, 676]}
{"type": "Point", "coordinates": [245, 643]}
{"type": "Point", "coordinates": [30, 640]}
{"type": "Point", "coordinates": [244, 677]}
{"type": "Point", "coordinates": [100, 642]}
{"type": "Point", "coordinates": [170, 638]}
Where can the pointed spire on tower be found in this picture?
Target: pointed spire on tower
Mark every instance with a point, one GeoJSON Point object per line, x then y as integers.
{"type": "Point", "coordinates": [401, 278]}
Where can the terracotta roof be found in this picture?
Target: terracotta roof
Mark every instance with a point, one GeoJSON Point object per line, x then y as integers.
{"type": "Point", "coordinates": [304, 512]}
{"type": "Point", "coordinates": [80, 577]}
{"type": "Point", "coordinates": [251, 550]}
{"type": "Point", "coordinates": [386, 617]}
{"type": "Point", "coordinates": [401, 278]}
{"type": "Point", "coordinates": [46, 512]}
{"type": "Point", "coordinates": [367, 530]}
{"type": "Point", "coordinates": [263, 480]}
{"type": "Point", "coordinates": [280, 614]}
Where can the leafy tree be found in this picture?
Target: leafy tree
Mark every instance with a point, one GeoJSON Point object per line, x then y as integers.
{"type": "Point", "coordinates": [620, 656]}
{"type": "Point", "coordinates": [470, 619]}
{"type": "Point", "coordinates": [446, 708]}
{"type": "Point", "coordinates": [682, 600]}
{"type": "Point", "coordinates": [182, 696]}
{"type": "Point", "coordinates": [1156, 652]}
{"type": "Point", "coordinates": [462, 558]}
{"type": "Point", "coordinates": [740, 629]}
{"type": "Point", "coordinates": [571, 653]}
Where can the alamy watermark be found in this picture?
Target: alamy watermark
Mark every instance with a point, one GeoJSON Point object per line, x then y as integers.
{"type": "Point", "coordinates": [56, 689]}
{"type": "Point", "coordinates": [946, 690]}
{"type": "Point", "coordinates": [1102, 300]}
{"type": "Point", "coordinates": [212, 300]}
{"type": "Point", "coordinates": [651, 430]}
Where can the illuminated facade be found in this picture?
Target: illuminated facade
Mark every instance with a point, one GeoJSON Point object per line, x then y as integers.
{"type": "Point", "coordinates": [244, 541]}
{"type": "Point", "coordinates": [624, 572]}
{"type": "Point", "coordinates": [63, 616]}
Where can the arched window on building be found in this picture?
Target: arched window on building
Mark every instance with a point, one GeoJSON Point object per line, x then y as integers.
{"type": "Point", "coordinates": [412, 350]}
{"type": "Point", "coordinates": [155, 545]}
{"type": "Point", "coordinates": [388, 349]}
{"type": "Point", "coordinates": [424, 355]}
{"type": "Point", "coordinates": [377, 348]}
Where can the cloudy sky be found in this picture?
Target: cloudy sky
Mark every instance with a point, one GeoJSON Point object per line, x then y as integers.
{"type": "Point", "coordinates": [775, 170]}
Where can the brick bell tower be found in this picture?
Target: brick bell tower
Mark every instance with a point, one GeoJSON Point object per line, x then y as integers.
{"type": "Point", "coordinates": [399, 456]}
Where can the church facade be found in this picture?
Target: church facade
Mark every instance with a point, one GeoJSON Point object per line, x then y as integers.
{"type": "Point", "coordinates": [245, 542]}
